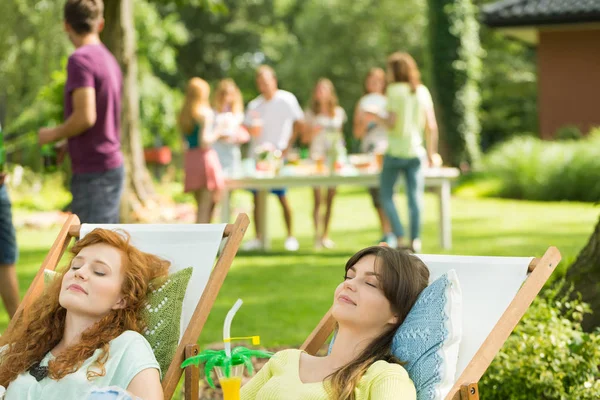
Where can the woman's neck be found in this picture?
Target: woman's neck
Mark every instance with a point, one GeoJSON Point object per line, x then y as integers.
{"type": "Point", "coordinates": [323, 107]}
{"type": "Point", "coordinates": [348, 345]}
{"type": "Point", "coordinates": [75, 325]}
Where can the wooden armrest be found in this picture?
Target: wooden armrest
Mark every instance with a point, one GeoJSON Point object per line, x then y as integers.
{"type": "Point", "coordinates": [192, 374]}
{"type": "Point", "coordinates": [468, 392]}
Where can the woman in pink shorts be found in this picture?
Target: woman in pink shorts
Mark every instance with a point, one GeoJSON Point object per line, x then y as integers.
{"type": "Point", "coordinates": [203, 173]}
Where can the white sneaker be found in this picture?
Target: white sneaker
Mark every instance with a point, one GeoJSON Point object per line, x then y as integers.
{"type": "Point", "coordinates": [253, 244]}
{"type": "Point", "coordinates": [391, 240]}
{"type": "Point", "coordinates": [416, 245]}
{"type": "Point", "coordinates": [327, 243]}
{"type": "Point", "coordinates": [291, 244]}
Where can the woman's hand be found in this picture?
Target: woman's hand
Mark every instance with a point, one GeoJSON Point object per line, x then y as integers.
{"type": "Point", "coordinates": [435, 160]}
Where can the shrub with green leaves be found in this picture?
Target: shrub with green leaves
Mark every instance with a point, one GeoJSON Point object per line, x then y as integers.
{"type": "Point", "coordinates": [529, 168]}
{"type": "Point", "coordinates": [548, 356]}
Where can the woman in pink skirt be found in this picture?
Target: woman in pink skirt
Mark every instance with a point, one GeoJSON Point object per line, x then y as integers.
{"type": "Point", "coordinates": [203, 174]}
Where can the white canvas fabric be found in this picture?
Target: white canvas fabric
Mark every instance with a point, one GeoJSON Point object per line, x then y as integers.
{"type": "Point", "coordinates": [183, 245]}
{"type": "Point", "coordinates": [488, 285]}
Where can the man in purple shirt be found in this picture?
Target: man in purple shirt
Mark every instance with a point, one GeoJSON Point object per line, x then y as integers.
{"type": "Point", "coordinates": [92, 117]}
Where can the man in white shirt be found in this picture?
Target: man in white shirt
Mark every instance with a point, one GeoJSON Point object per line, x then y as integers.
{"type": "Point", "coordinates": [274, 118]}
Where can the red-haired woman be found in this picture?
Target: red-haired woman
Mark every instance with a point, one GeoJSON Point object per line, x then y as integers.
{"type": "Point", "coordinates": [84, 332]}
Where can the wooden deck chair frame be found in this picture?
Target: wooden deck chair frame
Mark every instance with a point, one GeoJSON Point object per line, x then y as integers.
{"type": "Point", "coordinates": [187, 346]}
{"type": "Point", "coordinates": [465, 387]}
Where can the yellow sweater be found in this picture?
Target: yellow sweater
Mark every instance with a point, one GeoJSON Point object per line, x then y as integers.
{"type": "Point", "coordinates": [280, 379]}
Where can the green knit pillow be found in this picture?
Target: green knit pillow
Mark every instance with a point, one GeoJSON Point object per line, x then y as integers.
{"type": "Point", "coordinates": [162, 314]}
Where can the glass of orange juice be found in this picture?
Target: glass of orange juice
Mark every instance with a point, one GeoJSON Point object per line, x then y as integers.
{"type": "Point", "coordinates": [231, 385]}
{"type": "Point", "coordinates": [379, 159]}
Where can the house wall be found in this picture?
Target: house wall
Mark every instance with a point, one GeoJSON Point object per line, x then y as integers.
{"type": "Point", "coordinates": [569, 79]}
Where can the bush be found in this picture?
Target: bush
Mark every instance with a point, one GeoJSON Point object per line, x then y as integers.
{"type": "Point", "coordinates": [548, 356]}
{"type": "Point", "coordinates": [568, 132]}
{"type": "Point", "coordinates": [532, 169]}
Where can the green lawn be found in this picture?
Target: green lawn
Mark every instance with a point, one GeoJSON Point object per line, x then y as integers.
{"type": "Point", "coordinates": [285, 294]}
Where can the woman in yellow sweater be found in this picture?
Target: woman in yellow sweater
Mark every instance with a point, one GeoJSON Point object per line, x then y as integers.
{"type": "Point", "coordinates": [380, 287]}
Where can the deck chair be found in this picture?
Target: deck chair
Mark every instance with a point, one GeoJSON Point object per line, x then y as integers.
{"type": "Point", "coordinates": [496, 293]}
{"type": "Point", "coordinates": [184, 245]}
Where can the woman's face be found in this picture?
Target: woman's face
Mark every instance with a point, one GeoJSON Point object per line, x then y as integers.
{"type": "Point", "coordinates": [92, 285]}
{"type": "Point", "coordinates": [322, 92]}
{"type": "Point", "coordinates": [228, 96]}
{"type": "Point", "coordinates": [375, 84]}
{"type": "Point", "coordinates": [359, 300]}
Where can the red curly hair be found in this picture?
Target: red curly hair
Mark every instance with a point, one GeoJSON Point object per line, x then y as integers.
{"type": "Point", "coordinates": [42, 327]}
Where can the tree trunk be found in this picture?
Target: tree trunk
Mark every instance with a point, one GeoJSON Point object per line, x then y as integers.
{"type": "Point", "coordinates": [119, 36]}
{"type": "Point", "coordinates": [584, 273]}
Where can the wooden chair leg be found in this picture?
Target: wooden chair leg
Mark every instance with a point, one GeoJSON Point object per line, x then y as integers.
{"type": "Point", "coordinates": [469, 392]}
{"type": "Point", "coordinates": [192, 374]}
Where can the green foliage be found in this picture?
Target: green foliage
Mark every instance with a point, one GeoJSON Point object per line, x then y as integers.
{"type": "Point", "coordinates": [32, 46]}
{"type": "Point", "coordinates": [548, 356]}
{"type": "Point", "coordinates": [158, 38]}
{"type": "Point", "coordinates": [455, 59]}
{"type": "Point", "coordinates": [508, 88]}
{"type": "Point", "coordinates": [45, 110]}
{"type": "Point", "coordinates": [568, 132]}
{"type": "Point", "coordinates": [529, 168]}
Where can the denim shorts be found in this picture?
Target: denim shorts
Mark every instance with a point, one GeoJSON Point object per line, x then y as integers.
{"type": "Point", "coordinates": [8, 241]}
{"type": "Point", "coordinates": [97, 196]}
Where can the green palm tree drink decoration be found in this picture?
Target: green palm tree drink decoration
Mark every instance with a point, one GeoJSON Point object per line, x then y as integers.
{"type": "Point", "coordinates": [229, 364]}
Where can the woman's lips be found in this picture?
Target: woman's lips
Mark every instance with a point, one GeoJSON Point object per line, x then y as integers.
{"type": "Point", "coordinates": [346, 299]}
{"type": "Point", "coordinates": [76, 288]}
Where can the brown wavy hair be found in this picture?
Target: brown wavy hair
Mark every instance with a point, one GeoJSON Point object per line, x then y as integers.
{"type": "Point", "coordinates": [42, 326]}
{"type": "Point", "coordinates": [403, 68]}
{"type": "Point", "coordinates": [333, 99]}
{"type": "Point", "coordinates": [403, 276]}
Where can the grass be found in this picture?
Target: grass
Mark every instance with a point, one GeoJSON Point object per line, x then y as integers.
{"type": "Point", "coordinates": [285, 294]}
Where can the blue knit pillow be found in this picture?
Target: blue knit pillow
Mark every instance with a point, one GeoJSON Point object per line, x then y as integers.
{"type": "Point", "coordinates": [429, 338]}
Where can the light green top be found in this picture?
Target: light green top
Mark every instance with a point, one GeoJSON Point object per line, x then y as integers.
{"type": "Point", "coordinates": [129, 354]}
{"type": "Point", "coordinates": [405, 139]}
{"type": "Point", "coordinates": [280, 379]}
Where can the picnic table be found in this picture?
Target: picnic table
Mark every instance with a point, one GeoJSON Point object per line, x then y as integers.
{"type": "Point", "coordinates": [440, 179]}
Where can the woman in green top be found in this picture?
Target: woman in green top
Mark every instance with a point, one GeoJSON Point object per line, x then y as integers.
{"type": "Point", "coordinates": [380, 287]}
{"type": "Point", "coordinates": [410, 116]}
{"type": "Point", "coordinates": [84, 331]}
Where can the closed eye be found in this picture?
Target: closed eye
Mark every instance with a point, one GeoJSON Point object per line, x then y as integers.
{"type": "Point", "coordinates": [372, 285]}
{"type": "Point", "coordinates": [99, 273]}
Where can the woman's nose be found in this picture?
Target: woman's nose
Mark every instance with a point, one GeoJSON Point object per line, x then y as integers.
{"type": "Point", "coordinates": [349, 284]}
{"type": "Point", "coordinates": [81, 274]}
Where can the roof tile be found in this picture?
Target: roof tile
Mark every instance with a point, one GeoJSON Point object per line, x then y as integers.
{"type": "Point", "coordinates": [506, 13]}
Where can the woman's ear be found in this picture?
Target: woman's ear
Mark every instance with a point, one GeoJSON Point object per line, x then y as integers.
{"type": "Point", "coordinates": [120, 304]}
{"type": "Point", "coordinates": [394, 320]}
